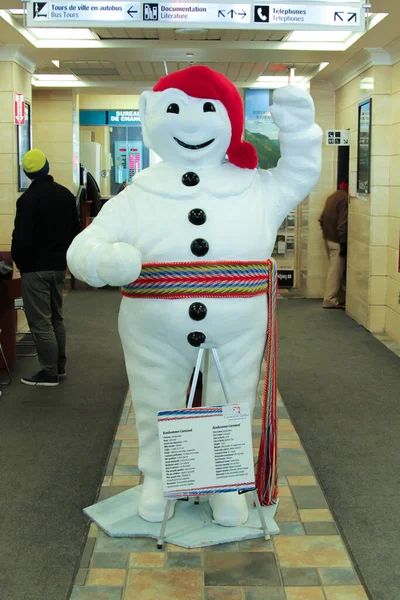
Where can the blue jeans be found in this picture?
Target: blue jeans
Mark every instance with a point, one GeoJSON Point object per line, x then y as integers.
{"type": "Point", "coordinates": [42, 294]}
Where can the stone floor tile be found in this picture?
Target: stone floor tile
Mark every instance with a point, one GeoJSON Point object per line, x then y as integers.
{"type": "Point", "coordinates": [175, 584]}
{"type": "Point", "coordinates": [96, 593]}
{"type": "Point", "coordinates": [116, 444]}
{"type": "Point", "coordinates": [282, 413]}
{"type": "Point", "coordinates": [338, 577]}
{"type": "Point", "coordinates": [106, 481]}
{"type": "Point", "coordinates": [285, 492]}
{"type": "Point", "coordinates": [228, 547]}
{"type": "Point", "coordinates": [108, 492]}
{"type": "Point", "coordinates": [264, 593]}
{"type": "Point", "coordinates": [282, 481]}
{"type": "Point", "coordinates": [292, 464]}
{"type": "Point", "coordinates": [93, 530]}
{"type": "Point", "coordinates": [81, 577]}
{"type": "Point", "coordinates": [282, 443]}
{"type": "Point", "coordinates": [112, 461]}
{"type": "Point", "coordinates": [130, 480]}
{"type": "Point", "coordinates": [126, 432]}
{"type": "Point", "coordinates": [106, 577]}
{"type": "Point", "coordinates": [318, 515]}
{"type": "Point", "coordinates": [109, 560]}
{"type": "Point", "coordinates": [132, 470]}
{"type": "Point", "coordinates": [299, 577]}
{"type": "Point", "coordinates": [256, 545]}
{"type": "Point", "coordinates": [106, 543]}
{"type": "Point", "coordinates": [173, 548]}
{"type": "Point", "coordinates": [287, 511]}
{"type": "Point", "coordinates": [304, 593]}
{"type": "Point", "coordinates": [87, 553]}
{"type": "Point", "coordinates": [146, 560]}
{"type": "Point", "coordinates": [309, 496]}
{"type": "Point", "coordinates": [222, 593]}
{"type": "Point", "coordinates": [311, 551]}
{"type": "Point", "coordinates": [302, 480]}
{"type": "Point", "coordinates": [183, 560]}
{"type": "Point", "coordinates": [128, 456]}
{"type": "Point", "coordinates": [345, 592]}
{"type": "Point", "coordinates": [130, 444]}
{"type": "Point", "coordinates": [294, 528]}
{"type": "Point", "coordinates": [240, 569]}
{"type": "Point", "coordinates": [286, 430]}
{"type": "Point", "coordinates": [324, 528]}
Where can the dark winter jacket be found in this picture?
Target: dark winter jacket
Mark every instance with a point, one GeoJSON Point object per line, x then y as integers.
{"type": "Point", "coordinates": [45, 224]}
{"type": "Point", "coordinates": [334, 217]}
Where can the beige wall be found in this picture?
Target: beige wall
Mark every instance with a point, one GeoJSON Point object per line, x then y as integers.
{"type": "Point", "coordinates": [392, 310]}
{"type": "Point", "coordinates": [313, 260]}
{"type": "Point", "coordinates": [13, 79]}
{"type": "Point", "coordinates": [368, 213]}
{"type": "Point", "coordinates": [56, 133]}
{"type": "Point", "coordinates": [109, 102]}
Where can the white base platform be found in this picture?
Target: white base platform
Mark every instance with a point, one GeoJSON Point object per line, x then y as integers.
{"type": "Point", "coordinates": [190, 527]}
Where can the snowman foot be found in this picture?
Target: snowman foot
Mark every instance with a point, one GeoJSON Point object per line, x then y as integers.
{"type": "Point", "coordinates": [229, 509]}
{"type": "Point", "coordinates": [152, 503]}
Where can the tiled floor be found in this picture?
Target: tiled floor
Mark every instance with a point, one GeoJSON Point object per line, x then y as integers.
{"type": "Point", "coordinates": [307, 561]}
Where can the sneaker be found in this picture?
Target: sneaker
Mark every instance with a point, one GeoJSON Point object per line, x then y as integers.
{"type": "Point", "coordinates": [41, 378]}
{"type": "Point", "coordinates": [62, 372]}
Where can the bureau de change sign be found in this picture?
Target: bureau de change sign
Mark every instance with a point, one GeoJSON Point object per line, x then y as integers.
{"type": "Point", "coordinates": [223, 14]}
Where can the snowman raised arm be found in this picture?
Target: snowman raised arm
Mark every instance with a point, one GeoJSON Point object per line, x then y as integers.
{"type": "Point", "coordinates": [196, 207]}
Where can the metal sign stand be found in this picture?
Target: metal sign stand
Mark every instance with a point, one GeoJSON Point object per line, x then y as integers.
{"type": "Point", "coordinates": [204, 352]}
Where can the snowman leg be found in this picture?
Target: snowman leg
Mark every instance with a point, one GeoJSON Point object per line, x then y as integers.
{"type": "Point", "coordinates": [241, 378]}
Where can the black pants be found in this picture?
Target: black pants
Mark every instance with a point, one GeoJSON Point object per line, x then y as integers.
{"type": "Point", "coordinates": [42, 294]}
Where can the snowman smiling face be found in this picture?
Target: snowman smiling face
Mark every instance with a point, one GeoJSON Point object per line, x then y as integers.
{"type": "Point", "coordinates": [184, 130]}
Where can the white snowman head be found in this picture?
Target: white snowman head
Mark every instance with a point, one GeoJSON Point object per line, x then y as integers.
{"type": "Point", "coordinates": [195, 117]}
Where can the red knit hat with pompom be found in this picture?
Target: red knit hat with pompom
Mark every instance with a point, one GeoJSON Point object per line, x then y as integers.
{"type": "Point", "coordinates": [202, 82]}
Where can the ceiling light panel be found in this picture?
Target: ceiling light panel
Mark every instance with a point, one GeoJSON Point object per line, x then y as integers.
{"type": "Point", "coordinates": [63, 34]}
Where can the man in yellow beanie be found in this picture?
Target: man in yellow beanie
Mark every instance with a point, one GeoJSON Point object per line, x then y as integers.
{"type": "Point", "coordinates": [45, 224]}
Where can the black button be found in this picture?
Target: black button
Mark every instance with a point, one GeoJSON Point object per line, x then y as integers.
{"type": "Point", "coordinates": [190, 179]}
{"type": "Point", "coordinates": [197, 311]}
{"type": "Point", "coordinates": [196, 338]}
{"type": "Point", "coordinates": [197, 216]}
{"type": "Point", "coordinates": [199, 247]}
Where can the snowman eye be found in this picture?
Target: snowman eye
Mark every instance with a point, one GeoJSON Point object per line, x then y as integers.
{"type": "Point", "coordinates": [208, 107]}
{"type": "Point", "coordinates": [173, 108]}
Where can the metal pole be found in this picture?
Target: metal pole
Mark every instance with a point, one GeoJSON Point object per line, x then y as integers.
{"type": "Point", "coordinates": [160, 540]}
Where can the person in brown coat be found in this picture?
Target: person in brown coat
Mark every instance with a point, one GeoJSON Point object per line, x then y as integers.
{"type": "Point", "coordinates": [334, 229]}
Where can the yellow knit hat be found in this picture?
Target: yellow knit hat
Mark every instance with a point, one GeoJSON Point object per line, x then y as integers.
{"type": "Point", "coordinates": [35, 163]}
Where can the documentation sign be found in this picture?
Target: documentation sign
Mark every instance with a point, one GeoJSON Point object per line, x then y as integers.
{"type": "Point", "coordinates": [223, 14]}
{"type": "Point", "coordinates": [206, 450]}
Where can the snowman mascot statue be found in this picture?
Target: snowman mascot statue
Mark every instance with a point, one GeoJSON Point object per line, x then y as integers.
{"type": "Point", "coordinates": [204, 210]}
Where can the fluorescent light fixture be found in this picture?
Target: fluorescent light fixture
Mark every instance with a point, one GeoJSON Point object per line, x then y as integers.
{"type": "Point", "coordinates": [319, 36]}
{"type": "Point", "coordinates": [376, 19]}
{"type": "Point", "coordinates": [17, 11]}
{"type": "Point", "coordinates": [279, 79]}
{"type": "Point", "coordinates": [62, 34]}
{"type": "Point", "coordinates": [56, 63]}
{"type": "Point", "coordinates": [49, 77]}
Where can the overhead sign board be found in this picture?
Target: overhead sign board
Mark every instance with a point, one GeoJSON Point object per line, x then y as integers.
{"type": "Point", "coordinates": [221, 15]}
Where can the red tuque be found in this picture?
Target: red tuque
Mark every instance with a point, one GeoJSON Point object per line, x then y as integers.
{"type": "Point", "coordinates": [203, 82]}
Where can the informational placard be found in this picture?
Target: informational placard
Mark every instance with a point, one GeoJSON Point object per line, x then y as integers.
{"type": "Point", "coordinates": [337, 138]}
{"type": "Point", "coordinates": [19, 109]}
{"type": "Point", "coordinates": [222, 14]}
{"type": "Point", "coordinates": [206, 450]}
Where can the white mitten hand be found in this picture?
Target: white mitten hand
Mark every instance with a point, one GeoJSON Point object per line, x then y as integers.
{"type": "Point", "coordinates": [118, 264]}
{"type": "Point", "coordinates": [292, 109]}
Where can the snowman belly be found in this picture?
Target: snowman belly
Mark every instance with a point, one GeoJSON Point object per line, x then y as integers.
{"type": "Point", "coordinates": [235, 325]}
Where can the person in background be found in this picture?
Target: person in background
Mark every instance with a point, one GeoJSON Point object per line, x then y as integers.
{"type": "Point", "coordinates": [334, 229]}
{"type": "Point", "coordinates": [45, 224]}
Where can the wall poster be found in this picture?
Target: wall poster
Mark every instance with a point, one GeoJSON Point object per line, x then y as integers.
{"type": "Point", "coordinates": [364, 147]}
{"type": "Point", "coordinates": [262, 132]}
